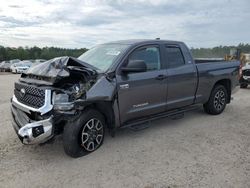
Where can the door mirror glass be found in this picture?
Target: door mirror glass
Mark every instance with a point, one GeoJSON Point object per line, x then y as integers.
{"type": "Point", "coordinates": [135, 66]}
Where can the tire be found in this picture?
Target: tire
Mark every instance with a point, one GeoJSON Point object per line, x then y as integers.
{"type": "Point", "coordinates": [217, 101]}
{"type": "Point", "coordinates": [84, 134]}
{"type": "Point", "coordinates": [244, 85]}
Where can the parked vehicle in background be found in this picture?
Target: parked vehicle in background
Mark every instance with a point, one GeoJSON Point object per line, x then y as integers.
{"type": "Point", "coordinates": [18, 66]}
{"type": "Point", "coordinates": [5, 66]}
{"type": "Point", "coordinates": [1, 65]}
{"type": "Point", "coordinates": [14, 61]}
{"type": "Point", "coordinates": [244, 58]}
{"type": "Point", "coordinates": [21, 67]}
{"type": "Point", "coordinates": [36, 60]}
{"type": "Point", "coordinates": [245, 75]}
{"type": "Point", "coordinates": [118, 84]}
{"type": "Point", "coordinates": [39, 60]}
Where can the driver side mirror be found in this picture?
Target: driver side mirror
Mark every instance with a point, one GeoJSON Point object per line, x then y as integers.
{"type": "Point", "coordinates": [135, 66]}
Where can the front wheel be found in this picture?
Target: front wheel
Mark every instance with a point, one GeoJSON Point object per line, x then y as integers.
{"type": "Point", "coordinates": [85, 134]}
{"type": "Point", "coordinates": [217, 101]}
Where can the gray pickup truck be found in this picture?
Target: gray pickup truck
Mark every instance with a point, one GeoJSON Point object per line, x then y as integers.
{"type": "Point", "coordinates": [118, 84]}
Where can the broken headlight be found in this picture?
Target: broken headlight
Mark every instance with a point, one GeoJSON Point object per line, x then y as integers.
{"type": "Point", "coordinates": [61, 102]}
{"type": "Point", "coordinates": [60, 98]}
{"type": "Point", "coordinates": [64, 99]}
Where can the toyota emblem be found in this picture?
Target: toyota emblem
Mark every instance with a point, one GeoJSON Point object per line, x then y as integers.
{"type": "Point", "coordinates": [23, 92]}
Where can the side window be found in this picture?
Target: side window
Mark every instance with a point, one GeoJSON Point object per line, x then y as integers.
{"type": "Point", "coordinates": [150, 55]}
{"type": "Point", "coordinates": [174, 57]}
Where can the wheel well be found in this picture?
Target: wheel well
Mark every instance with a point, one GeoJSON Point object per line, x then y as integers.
{"type": "Point", "coordinates": [106, 109]}
{"type": "Point", "coordinates": [227, 84]}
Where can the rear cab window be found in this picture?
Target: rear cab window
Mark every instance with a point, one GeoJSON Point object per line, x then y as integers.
{"type": "Point", "coordinates": [174, 56]}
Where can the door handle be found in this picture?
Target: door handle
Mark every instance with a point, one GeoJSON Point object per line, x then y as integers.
{"type": "Point", "coordinates": [161, 77]}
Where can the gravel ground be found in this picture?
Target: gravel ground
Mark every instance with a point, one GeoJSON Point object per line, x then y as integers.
{"type": "Point", "coordinates": [197, 151]}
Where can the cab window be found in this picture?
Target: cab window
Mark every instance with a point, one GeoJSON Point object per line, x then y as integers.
{"type": "Point", "coordinates": [150, 55]}
{"type": "Point", "coordinates": [174, 57]}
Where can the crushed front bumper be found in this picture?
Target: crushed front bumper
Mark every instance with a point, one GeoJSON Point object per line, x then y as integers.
{"type": "Point", "coordinates": [29, 131]}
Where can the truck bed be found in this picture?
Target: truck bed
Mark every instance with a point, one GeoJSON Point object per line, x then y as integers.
{"type": "Point", "coordinates": [208, 60]}
{"type": "Point", "coordinates": [209, 72]}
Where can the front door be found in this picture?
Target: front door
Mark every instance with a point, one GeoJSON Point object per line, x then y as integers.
{"type": "Point", "coordinates": [144, 93]}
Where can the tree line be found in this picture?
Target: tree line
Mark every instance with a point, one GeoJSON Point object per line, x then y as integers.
{"type": "Point", "coordinates": [22, 53]}
{"type": "Point", "coordinates": [46, 53]}
{"type": "Point", "coordinates": [219, 51]}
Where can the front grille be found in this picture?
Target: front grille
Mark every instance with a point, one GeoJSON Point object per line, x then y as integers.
{"type": "Point", "coordinates": [33, 96]}
{"type": "Point", "coordinates": [246, 73]}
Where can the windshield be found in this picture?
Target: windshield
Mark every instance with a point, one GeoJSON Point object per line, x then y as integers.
{"type": "Point", "coordinates": [102, 56]}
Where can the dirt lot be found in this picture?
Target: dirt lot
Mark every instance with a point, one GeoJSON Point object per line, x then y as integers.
{"type": "Point", "coordinates": [197, 151]}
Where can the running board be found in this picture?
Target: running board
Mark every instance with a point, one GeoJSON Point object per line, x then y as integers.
{"type": "Point", "coordinates": [177, 116]}
{"type": "Point", "coordinates": [174, 114]}
{"type": "Point", "coordinates": [140, 127]}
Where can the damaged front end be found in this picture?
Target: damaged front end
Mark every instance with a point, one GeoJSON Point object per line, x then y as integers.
{"type": "Point", "coordinates": [51, 93]}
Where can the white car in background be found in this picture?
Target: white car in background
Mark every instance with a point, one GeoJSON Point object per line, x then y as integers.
{"type": "Point", "coordinates": [20, 67]}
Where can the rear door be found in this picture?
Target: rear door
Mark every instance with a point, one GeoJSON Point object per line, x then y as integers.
{"type": "Point", "coordinates": [144, 93]}
{"type": "Point", "coordinates": [182, 78]}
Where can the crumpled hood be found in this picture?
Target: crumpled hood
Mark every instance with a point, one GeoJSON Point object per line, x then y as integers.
{"type": "Point", "coordinates": [57, 67]}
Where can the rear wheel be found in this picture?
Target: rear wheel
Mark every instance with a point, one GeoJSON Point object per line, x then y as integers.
{"type": "Point", "coordinates": [217, 101]}
{"type": "Point", "coordinates": [85, 134]}
{"type": "Point", "coordinates": [244, 85]}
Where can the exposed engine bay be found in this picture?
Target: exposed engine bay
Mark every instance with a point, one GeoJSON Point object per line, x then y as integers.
{"type": "Point", "coordinates": [68, 78]}
{"type": "Point", "coordinates": [74, 86]}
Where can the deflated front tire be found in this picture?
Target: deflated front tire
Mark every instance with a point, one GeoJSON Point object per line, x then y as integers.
{"type": "Point", "coordinates": [84, 134]}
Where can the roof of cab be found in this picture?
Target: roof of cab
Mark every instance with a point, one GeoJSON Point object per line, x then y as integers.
{"type": "Point", "coordinates": [141, 41]}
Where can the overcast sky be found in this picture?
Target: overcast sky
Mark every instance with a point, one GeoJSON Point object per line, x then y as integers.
{"type": "Point", "coordinates": [79, 23]}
